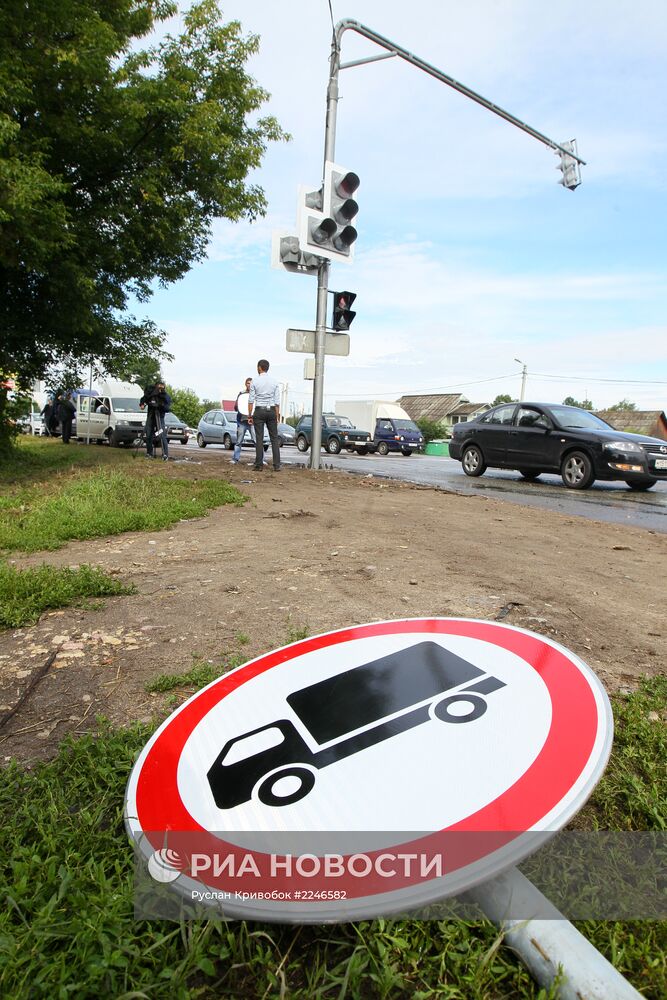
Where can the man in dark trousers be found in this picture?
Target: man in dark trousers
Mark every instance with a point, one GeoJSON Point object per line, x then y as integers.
{"type": "Point", "coordinates": [158, 401]}
{"type": "Point", "coordinates": [65, 409]}
{"type": "Point", "coordinates": [264, 411]}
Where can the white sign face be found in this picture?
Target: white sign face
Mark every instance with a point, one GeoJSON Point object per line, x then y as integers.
{"type": "Point", "coordinates": [303, 342]}
{"type": "Point", "coordinates": [370, 733]}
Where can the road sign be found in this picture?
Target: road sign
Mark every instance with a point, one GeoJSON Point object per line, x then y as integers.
{"type": "Point", "coordinates": [303, 342]}
{"type": "Point", "coordinates": [441, 726]}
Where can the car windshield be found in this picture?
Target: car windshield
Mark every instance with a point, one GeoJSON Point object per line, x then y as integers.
{"type": "Point", "coordinates": [405, 425]}
{"type": "Point", "coordinates": [230, 416]}
{"type": "Point", "coordinates": [124, 404]}
{"type": "Point", "coordinates": [570, 417]}
{"type": "Point", "coordinates": [171, 418]}
{"type": "Point", "coordinates": [338, 422]}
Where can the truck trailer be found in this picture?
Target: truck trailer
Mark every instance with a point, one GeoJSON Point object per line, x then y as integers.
{"type": "Point", "coordinates": [389, 426]}
{"type": "Point", "coordinates": [344, 715]}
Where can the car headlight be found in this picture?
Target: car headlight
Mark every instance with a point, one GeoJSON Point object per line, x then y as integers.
{"type": "Point", "coordinates": [623, 446]}
{"type": "Point", "coordinates": [122, 423]}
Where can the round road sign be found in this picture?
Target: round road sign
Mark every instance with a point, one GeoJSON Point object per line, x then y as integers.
{"type": "Point", "coordinates": [318, 781]}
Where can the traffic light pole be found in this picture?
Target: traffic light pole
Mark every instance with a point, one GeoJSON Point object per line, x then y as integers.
{"type": "Point", "coordinates": [566, 150]}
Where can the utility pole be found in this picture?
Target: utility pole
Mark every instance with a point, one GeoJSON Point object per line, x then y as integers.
{"type": "Point", "coordinates": [524, 373]}
{"type": "Point", "coordinates": [566, 151]}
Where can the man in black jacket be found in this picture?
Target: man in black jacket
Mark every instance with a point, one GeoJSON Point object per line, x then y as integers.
{"type": "Point", "coordinates": [158, 401]}
{"type": "Point", "coordinates": [65, 409]}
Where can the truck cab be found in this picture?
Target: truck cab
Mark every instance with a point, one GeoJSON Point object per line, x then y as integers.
{"type": "Point", "coordinates": [396, 434]}
{"type": "Point", "coordinates": [110, 412]}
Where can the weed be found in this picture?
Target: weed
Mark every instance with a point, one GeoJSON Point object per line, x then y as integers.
{"type": "Point", "coordinates": [295, 633]}
{"type": "Point", "coordinates": [105, 502]}
{"type": "Point", "coordinates": [26, 593]}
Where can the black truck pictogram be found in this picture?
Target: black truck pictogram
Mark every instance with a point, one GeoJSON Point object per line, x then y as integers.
{"type": "Point", "coordinates": [337, 713]}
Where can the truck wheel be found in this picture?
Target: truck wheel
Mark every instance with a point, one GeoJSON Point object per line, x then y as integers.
{"type": "Point", "coordinates": [577, 471]}
{"type": "Point", "coordinates": [333, 446]}
{"type": "Point", "coordinates": [301, 443]}
{"type": "Point", "coordinates": [406, 451]}
{"type": "Point", "coordinates": [383, 448]}
{"type": "Point", "coordinates": [476, 708]}
{"type": "Point", "coordinates": [200, 441]}
{"type": "Point", "coordinates": [473, 462]}
{"type": "Point", "coordinates": [270, 795]}
{"type": "Point", "coordinates": [361, 451]}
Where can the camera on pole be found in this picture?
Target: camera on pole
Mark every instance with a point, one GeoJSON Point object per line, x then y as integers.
{"type": "Point", "coordinates": [326, 215]}
{"type": "Point", "coordinates": [342, 314]}
{"type": "Point", "coordinates": [569, 165]}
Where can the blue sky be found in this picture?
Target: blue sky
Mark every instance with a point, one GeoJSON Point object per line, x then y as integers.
{"type": "Point", "coordinates": [470, 254]}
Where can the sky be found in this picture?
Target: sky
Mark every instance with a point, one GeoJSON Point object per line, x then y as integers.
{"type": "Point", "coordinates": [470, 254]}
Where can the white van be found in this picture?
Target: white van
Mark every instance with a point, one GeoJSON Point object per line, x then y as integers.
{"type": "Point", "coordinates": [110, 412]}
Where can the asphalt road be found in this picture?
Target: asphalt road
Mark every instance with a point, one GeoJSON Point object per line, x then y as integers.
{"type": "Point", "coordinates": [602, 502]}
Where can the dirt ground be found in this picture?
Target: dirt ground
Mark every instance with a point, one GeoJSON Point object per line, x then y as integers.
{"type": "Point", "coordinates": [315, 551]}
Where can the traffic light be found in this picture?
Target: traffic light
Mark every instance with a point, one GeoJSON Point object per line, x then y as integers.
{"type": "Point", "coordinates": [569, 166]}
{"type": "Point", "coordinates": [326, 216]}
{"type": "Point", "coordinates": [288, 255]}
{"type": "Point", "coordinates": [342, 314]}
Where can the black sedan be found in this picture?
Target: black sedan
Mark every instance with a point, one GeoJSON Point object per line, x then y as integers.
{"type": "Point", "coordinates": [544, 437]}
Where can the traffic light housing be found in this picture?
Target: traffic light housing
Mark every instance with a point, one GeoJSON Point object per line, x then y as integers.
{"type": "Point", "coordinates": [342, 314]}
{"type": "Point", "coordinates": [569, 166]}
{"type": "Point", "coordinates": [288, 255]}
{"type": "Point", "coordinates": [326, 216]}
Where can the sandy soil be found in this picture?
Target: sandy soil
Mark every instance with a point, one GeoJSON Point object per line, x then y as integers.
{"type": "Point", "coordinates": [319, 551]}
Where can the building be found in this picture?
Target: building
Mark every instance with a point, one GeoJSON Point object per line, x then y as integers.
{"type": "Point", "coordinates": [448, 409]}
{"type": "Point", "coordinates": [650, 422]}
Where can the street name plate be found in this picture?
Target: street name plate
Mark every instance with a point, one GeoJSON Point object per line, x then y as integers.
{"type": "Point", "coordinates": [303, 342]}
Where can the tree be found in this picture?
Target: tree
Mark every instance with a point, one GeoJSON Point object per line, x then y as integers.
{"type": "Point", "coordinates": [502, 399]}
{"type": "Point", "coordinates": [431, 429]}
{"type": "Point", "coordinates": [625, 406]}
{"type": "Point", "coordinates": [571, 401]}
{"type": "Point", "coordinates": [114, 161]}
{"type": "Point", "coordinates": [186, 404]}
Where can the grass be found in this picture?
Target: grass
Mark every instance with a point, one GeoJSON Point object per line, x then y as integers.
{"type": "Point", "coordinates": [26, 593]}
{"type": "Point", "coordinates": [197, 677]}
{"type": "Point", "coordinates": [37, 458]}
{"type": "Point", "coordinates": [67, 929]}
{"type": "Point", "coordinates": [104, 502]}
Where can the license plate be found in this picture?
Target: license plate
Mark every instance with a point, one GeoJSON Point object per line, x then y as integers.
{"type": "Point", "coordinates": [661, 463]}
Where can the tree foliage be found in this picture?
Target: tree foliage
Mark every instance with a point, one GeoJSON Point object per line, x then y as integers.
{"type": "Point", "coordinates": [584, 405]}
{"type": "Point", "coordinates": [114, 160]}
{"type": "Point", "coordinates": [625, 406]}
{"type": "Point", "coordinates": [432, 429]}
{"type": "Point", "coordinates": [503, 398]}
{"type": "Point", "coordinates": [185, 403]}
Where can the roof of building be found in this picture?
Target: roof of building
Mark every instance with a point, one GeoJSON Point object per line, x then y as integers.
{"type": "Point", "coordinates": [650, 422]}
{"type": "Point", "coordinates": [468, 408]}
{"type": "Point", "coordinates": [433, 407]}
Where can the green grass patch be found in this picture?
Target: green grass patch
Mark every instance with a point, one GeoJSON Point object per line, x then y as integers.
{"type": "Point", "coordinates": [632, 794]}
{"type": "Point", "coordinates": [67, 926]}
{"type": "Point", "coordinates": [39, 458]}
{"type": "Point", "coordinates": [105, 501]}
{"type": "Point", "coordinates": [26, 593]}
{"type": "Point", "coordinates": [197, 677]}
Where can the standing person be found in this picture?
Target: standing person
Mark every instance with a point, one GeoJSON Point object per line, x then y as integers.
{"type": "Point", "coordinates": [158, 401]}
{"type": "Point", "coordinates": [242, 425]}
{"type": "Point", "coordinates": [46, 415]}
{"type": "Point", "coordinates": [66, 411]}
{"type": "Point", "coordinates": [264, 411]}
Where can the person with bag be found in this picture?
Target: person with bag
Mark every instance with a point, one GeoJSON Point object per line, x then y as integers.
{"type": "Point", "coordinates": [158, 401]}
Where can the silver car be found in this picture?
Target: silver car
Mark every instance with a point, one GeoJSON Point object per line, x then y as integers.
{"type": "Point", "coordinates": [219, 427]}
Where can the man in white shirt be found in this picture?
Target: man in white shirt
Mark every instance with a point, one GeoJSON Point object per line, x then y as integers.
{"type": "Point", "coordinates": [264, 410]}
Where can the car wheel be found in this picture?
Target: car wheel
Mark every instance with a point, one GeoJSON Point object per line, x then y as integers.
{"type": "Point", "coordinates": [383, 448]}
{"type": "Point", "coordinates": [184, 440]}
{"type": "Point", "coordinates": [639, 485]}
{"type": "Point", "coordinates": [267, 790]}
{"type": "Point", "coordinates": [529, 474]}
{"type": "Point", "coordinates": [406, 451]}
{"type": "Point", "coordinates": [281, 441]}
{"type": "Point", "coordinates": [577, 471]}
{"type": "Point", "coordinates": [333, 446]}
{"type": "Point", "coordinates": [227, 442]}
{"type": "Point", "coordinates": [473, 462]}
{"type": "Point", "coordinates": [361, 451]}
{"type": "Point", "coordinates": [200, 441]}
{"type": "Point", "coordinates": [302, 443]}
